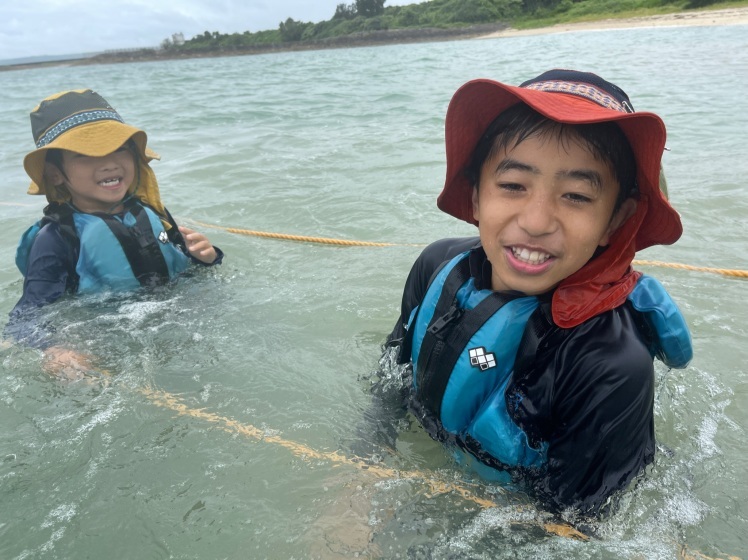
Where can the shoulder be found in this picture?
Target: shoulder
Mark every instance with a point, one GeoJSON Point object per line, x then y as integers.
{"type": "Point", "coordinates": [52, 249]}
{"type": "Point", "coordinates": [445, 249]}
{"type": "Point", "coordinates": [605, 361]}
{"type": "Point", "coordinates": [610, 344]}
{"type": "Point", "coordinates": [50, 236]}
{"type": "Point", "coordinates": [49, 269]}
{"type": "Point", "coordinates": [436, 254]}
{"type": "Point", "coordinates": [425, 266]}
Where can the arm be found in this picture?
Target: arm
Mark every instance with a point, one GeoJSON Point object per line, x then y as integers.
{"type": "Point", "coordinates": [592, 401]}
{"type": "Point", "coordinates": [50, 274]}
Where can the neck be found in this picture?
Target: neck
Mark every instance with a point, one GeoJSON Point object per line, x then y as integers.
{"type": "Point", "coordinates": [116, 208]}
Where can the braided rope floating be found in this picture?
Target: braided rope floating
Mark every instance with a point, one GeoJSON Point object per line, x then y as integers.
{"type": "Point", "coordinates": [352, 243]}
{"type": "Point", "coordinates": [175, 404]}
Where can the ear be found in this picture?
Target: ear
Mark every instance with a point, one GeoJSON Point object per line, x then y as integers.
{"type": "Point", "coordinates": [53, 175]}
{"type": "Point", "coordinates": [476, 207]}
{"type": "Point", "coordinates": [627, 209]}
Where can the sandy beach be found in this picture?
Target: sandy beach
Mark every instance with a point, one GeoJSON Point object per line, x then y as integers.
{"type": "Point", "coordinates": [729, 16]}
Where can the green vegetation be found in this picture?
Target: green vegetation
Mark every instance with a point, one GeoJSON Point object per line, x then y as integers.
{"type": "Point", "coordinates": [364, 17]}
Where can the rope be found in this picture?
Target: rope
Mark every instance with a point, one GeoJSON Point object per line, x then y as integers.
{"type": "Point", "coordinates": [723, 271]}
{"type": "Point", "coordinates": [349, 243]}
{"type": "Point", "coordinates": [307, 239]}
{"type": "Point", "coordinates": [174, 403]}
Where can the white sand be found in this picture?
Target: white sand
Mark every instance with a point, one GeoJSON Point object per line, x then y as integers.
{"type": "Point", "coordinates": [729, 16]}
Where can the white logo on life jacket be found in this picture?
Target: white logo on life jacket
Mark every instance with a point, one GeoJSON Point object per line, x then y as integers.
{"type": "Point", "coordinates": [479, 358]}
{"type": "Point", "coordinates": [163, 237]}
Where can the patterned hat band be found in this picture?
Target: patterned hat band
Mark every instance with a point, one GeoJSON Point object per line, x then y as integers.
{"type": "Point", "coordinates": [586, 91]}
{"type": "Point", "coordinates": [76, 120]}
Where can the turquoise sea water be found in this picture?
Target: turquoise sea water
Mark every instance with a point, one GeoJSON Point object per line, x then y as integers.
{"type": "Point", "coordinates": [279, 341]}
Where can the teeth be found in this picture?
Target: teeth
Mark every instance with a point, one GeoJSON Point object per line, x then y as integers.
{"type": "Point", "coordinates": [109, 182]}
{"type": "Point", "coordinates": [531, 257]}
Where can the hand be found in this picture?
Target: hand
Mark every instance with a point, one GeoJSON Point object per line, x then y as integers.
{"type": "Point", "coordinates": [66, 364]}
{"type": "Point", "coordinates": [198, 245]}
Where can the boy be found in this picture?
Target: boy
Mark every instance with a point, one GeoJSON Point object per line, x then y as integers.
{"type": "Point", "coordinates": [105, 227]}
{"type": "Point", "coordinates": [532, 345]}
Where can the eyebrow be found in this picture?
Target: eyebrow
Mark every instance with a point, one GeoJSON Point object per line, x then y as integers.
{"type": "Point", "coordinates": [510, 164]}
{"type": "Point", "coordinates": [590, 176]}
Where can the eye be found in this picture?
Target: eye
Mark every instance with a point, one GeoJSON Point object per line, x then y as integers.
{"type": "Point", "coordinates": [511, 187]}
{"type": "Point", "coordinates": [578, 198]}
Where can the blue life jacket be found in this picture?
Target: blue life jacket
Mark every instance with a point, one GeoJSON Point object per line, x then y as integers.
{"type": "Point", "coordinates": [115, 252]}
{"type": "Point", "coordinates": [463, 343]}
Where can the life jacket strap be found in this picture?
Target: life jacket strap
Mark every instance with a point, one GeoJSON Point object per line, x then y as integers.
{"type": "Point", "coordinates": [140, 246]}
{"type": "Point", "coordinates": [62, 215]}
{"type": "Point", "coordinates": [448, 334]}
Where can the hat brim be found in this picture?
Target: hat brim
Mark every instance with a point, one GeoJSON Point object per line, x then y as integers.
{"type": "Point", "coordinates": [95, 139]}
{"type": "Point", "coordinates": [477, 103]}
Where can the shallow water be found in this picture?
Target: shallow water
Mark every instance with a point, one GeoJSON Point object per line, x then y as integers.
{"type": "Point", "coordinates": [162, 458]}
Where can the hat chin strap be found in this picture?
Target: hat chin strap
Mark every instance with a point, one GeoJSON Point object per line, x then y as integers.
{"type": "Point", "coordinates": [604, 282]}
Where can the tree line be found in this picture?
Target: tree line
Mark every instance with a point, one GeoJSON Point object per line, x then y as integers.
{"type": "Point", "coordinates": [363, 16]}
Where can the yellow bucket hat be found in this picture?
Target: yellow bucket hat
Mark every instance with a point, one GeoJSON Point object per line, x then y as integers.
{"type": "Point", "coordinates": [82, 121]}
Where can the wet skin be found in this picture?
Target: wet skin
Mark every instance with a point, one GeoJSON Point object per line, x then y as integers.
{"type": "Point", "coordinates": [543, 207]}
{"type": "Point", "coordinates": [96, 184]}
{"type": "Point", "coordinates": [99, 184]}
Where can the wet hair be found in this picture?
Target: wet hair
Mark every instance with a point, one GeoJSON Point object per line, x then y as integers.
{"type": "Point", "coordinates": [54, 157]}
{"type": "Point", "coordinates": [605, 141]}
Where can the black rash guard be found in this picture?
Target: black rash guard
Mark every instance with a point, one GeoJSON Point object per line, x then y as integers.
{"type": "Point", "coordinates": [587, 392]}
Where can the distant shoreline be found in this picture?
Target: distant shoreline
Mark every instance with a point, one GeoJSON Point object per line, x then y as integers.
{"type": "Point", "coordinates": [721, 17]}
{"type": "Point", "coordinates": [372, 38]}
{"type": "Point", "coordinates": [727, 16]}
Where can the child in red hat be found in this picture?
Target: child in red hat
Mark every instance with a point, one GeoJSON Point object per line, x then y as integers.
{"type": "Point", "coordinates": [532, 345]}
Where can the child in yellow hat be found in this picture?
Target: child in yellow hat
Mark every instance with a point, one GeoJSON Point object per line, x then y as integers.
{"type": "Point", "coordinates": [105, 228]}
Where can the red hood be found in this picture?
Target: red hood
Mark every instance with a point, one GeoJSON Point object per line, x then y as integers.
{"type": "Point", "coordinates": [604, 282]}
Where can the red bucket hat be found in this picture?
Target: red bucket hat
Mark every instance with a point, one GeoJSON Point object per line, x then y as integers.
{"type": "Point", "coordinates": [565, 96]}
{"type": "Point", "coordinates": [571, 97]}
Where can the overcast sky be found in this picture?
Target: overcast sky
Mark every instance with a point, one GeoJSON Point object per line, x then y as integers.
{"type": "Point", "coordinates": [54, 27]}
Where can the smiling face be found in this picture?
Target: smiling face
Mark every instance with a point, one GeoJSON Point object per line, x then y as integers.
{"type": "Point", "coordinates": [543, 208]}
{"type": "Point", "coordinates": [96, 184]}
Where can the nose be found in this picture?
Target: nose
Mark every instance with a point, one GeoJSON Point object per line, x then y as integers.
{"type": "Point", "coordinates": [537, 217]}
{"type": "Point", "coordinates": [108, 162]}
